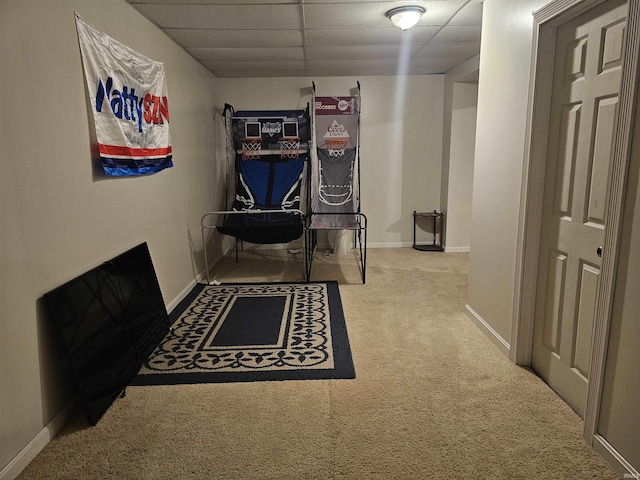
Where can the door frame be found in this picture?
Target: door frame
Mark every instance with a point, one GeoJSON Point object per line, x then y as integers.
{"type": "Point", "coordinates": [546, 22]}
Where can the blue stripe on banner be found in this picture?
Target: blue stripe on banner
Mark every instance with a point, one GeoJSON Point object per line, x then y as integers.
{"type": "Point", "coordinates": [120, 167]}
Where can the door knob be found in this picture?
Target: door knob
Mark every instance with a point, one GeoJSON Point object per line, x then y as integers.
{"type": "Point", "coordinates": [599, 251]}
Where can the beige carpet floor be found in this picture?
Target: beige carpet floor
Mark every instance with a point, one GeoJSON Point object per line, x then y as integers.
{"type": "Point", "coordinates": [433, 398]}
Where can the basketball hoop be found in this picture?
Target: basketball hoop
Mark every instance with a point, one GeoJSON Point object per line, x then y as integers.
{"type": "Point", "coordinates": [251, 148]}
{"type": "Point", "coordinates": [336, 146]}
{"type": "Point", "coordinates": [289, 147]}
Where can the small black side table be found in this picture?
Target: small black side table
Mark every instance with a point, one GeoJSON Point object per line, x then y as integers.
{"type": "Point", "coordinates": [438, 219]}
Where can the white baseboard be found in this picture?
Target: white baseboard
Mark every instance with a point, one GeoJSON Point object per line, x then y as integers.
{"type": "Point", "coordinates": [457, 249]}
{"type": "Point", "coordinates": [325, 245]}
{"type": "Point", "coordinates": [410, 244]}
{"type": "Point", "coordinates": [617, 461]}
{"type": "Point", "coordinates": [389, 244]}
{"type": "Point", "coordinates": [185, 291]}
{"type": "Point", "coordinates": [200, 277]}
{"type": "Point", "coordinates": [35, 446]}
{"type": "Point", "coordinates": [500, 342]}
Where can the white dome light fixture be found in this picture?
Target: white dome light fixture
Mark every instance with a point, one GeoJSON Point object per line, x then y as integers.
{"type": "Point", "coordinates": [406, 16]}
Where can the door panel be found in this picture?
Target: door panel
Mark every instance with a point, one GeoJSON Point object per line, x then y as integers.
{"type": "Point", "coordinates": [599, 165]}
{"type": "Point", "coordinates": [557, 271]}
{"type": "Point", "coordinates": [612, 42]}
{"type": "Point", "coordinates": [583, 111]}
{"type": "Point", "coordinates": [570, 127]}
{"type": "Point", "coordinates": [589, 276]}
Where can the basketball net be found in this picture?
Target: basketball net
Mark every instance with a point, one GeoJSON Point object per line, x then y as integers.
{"type": "Point", "coordinates": [289, 148]}
{"type": "Point", "coordinates": [251, 148]}
{"type": "Point", "coordinates": [336, 146]}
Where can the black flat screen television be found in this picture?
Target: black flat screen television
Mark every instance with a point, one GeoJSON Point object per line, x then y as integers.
{"type": "Point", "coordinates": [109, 320]}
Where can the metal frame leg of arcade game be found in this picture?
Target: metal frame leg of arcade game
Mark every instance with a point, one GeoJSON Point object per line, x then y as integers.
{"type": "Point", "coordinates": [359, 243]}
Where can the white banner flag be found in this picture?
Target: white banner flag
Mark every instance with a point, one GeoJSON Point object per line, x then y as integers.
{"type": "Point", "coordinates": [128, 95]}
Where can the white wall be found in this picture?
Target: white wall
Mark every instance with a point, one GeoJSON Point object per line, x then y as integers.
{"type": "Point", "coordinates": [461, 160]}
{"type": "Point", "coordinates": [619, 422]}
{"type": "Point", "coordinates": [59, 216]}
{"type": "Point", "coordinates": [466, 72]}
{"type": "Point", "coordinates": [401, 140]}
{"type": "Point", "coordinates": [505, 60]}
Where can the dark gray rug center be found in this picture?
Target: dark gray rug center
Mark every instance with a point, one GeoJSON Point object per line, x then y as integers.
{"type": "Point", "coordinates": [253, 321]}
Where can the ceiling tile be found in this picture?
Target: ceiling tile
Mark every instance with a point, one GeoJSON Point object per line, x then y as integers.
{"type": "Point", "coordinates": [342, 67]}
{"type": "Point", "coordinates": [435, 64]}
{"type": "Point", "coordinates": [224, 17]}
{"type": "Point", "coordinates": [389, 2]}
{"type": "Point", "coordinates": [212, 2]}
{"type": "Point", "coordinates": [457, 34]}
{"type": "Point", "coordinates": [360, 52]}
{"type": "Point", "coordinates": [376, 67]}
{"type": "Point", "coordinates": [263, 65]}
{"type": "Point", "coordinates": [369, 14]}
{"type": "Point", "coordinates": [440, 12]}
{"type": "Point", "coordinates": [367, 36]}
{"type": "Point", "coordinates": [471, 14]}
{"type": "Point", "coordinates": [372, 14]}
{"type": "Point", "coordinates": [463, 51]}
{"type": "Point", "coordinates": [237, 54]}
{"type": "Point", "coordinates": [235, 38]}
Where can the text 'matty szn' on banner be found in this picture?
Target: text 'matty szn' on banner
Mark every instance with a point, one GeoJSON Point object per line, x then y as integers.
{"type": "Point", "coordinates": [128, 95]}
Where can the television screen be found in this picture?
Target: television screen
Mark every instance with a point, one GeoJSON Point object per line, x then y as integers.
{"type": "Point", "coordinates": [109, 320]}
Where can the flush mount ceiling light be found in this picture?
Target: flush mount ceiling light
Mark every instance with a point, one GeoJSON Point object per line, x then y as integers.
{"type": "Point", "coordinates": [406, 16]}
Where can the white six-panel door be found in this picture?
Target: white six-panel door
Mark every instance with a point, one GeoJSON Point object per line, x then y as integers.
{"type": "Point", "coordinates": [586, 84]}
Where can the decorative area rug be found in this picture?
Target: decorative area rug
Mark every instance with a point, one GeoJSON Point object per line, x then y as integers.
{"type": "Point", "coordinates": [253, 332]}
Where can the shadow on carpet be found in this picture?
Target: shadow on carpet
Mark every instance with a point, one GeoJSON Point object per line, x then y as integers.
{"type": "Point", "coordinates": [253, 332]}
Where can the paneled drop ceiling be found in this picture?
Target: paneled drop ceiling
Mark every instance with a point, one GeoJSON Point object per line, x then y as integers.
{"type": "Point", "coordinates": [281, 38]}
